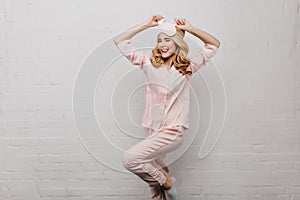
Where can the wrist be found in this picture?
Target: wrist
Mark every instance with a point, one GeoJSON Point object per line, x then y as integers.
{"type": "Point", "coordinates": [190, 29]}
{"type": "Point", "coordinates": [145, 25]}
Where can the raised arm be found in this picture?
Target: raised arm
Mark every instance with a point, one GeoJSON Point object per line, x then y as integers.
{"type": "Point", "coordinates": [129, 33]}
{"type": "Point", "coordinates": [202, 35]}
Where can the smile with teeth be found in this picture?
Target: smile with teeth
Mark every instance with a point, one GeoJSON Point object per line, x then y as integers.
{"type": "Point", "coordinates": [164, 50]}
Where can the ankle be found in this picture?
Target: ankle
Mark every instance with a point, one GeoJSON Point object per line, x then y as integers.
{"type": "Point", "coordinates": [168, 184]}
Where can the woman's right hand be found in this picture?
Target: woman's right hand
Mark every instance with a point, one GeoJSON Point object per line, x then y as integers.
{"type": "Point", "coordinates": [153, 21]}
{"type": "Point", "coordinates": [129, 33]}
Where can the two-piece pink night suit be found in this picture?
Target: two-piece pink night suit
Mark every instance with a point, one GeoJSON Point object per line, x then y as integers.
{"type": "Point", "coordinates": [166, 114]}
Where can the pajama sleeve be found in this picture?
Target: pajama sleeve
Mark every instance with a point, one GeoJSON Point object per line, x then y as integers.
{"type": "Point", "coordinates": [136, 57]}
{"type": "Point", "coordinates": [202, 57]}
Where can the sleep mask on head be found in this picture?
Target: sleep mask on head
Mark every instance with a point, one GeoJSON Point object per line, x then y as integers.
{"type": "Point", "coordinates": [169, 28]}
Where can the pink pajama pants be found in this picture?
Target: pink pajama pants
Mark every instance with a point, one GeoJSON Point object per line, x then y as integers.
{"type": "Point", "coordinates": [145, 159]}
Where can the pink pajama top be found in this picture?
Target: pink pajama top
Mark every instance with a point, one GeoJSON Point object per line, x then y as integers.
{"type": "Point", "coordinates": [167, 92]}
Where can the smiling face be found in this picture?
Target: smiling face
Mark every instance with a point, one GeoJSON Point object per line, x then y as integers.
{"type": "Point", "coordinates": [166, 45]}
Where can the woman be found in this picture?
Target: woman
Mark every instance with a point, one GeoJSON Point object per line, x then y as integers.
{"type": "Point", "coordinates": [167, 76]}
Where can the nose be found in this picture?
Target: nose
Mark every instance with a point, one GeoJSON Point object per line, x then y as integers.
{"type": "Point", "coordinates": [162, 44]}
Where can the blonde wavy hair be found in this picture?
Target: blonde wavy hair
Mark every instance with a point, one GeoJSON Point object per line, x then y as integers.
{"type": "Point", "coordinates": [179, 58]}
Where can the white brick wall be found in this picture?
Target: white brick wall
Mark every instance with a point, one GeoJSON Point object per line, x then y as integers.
{"type": "Point", "coordinates": [43, 44]}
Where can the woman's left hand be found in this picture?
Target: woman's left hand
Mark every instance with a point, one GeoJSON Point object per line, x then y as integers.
{"type": "Point", "coordinates": [183, 24]}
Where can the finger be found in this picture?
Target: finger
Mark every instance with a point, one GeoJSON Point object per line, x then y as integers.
{"type": "Point", "coordinates": [181, 22]}
{"type": "Point", "coordinates": [179, 26]}
{"type": "Point", "coordinates": [158, 17]}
